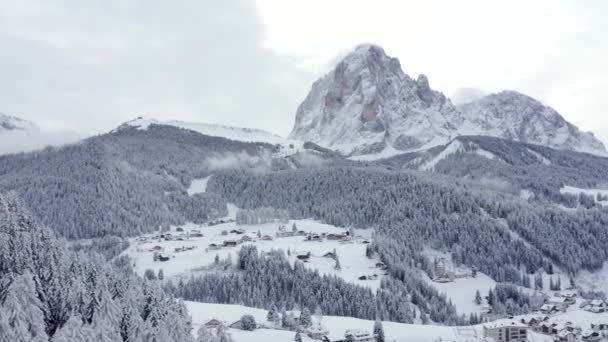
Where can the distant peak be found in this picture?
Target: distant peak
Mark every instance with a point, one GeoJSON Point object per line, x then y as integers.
{"type": "Point", "coordinates": [368, 47]}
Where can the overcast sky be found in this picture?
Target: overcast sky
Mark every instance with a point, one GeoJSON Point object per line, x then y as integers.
{"type": "Point", "coordinates": [91, 65]}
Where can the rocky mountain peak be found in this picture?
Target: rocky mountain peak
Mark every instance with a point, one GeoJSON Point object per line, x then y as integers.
{"type": "Point", "coordinates": [367, 104]}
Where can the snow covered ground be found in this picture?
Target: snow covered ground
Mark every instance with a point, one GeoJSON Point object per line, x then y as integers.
{"type": "Point", "coordinates": [398, 332]}
{"type": "Point", "coordinates": [289, 146]}
{"type": "Point", "coordinates": [352, 257]}
{"type": "Point", "coordinates": [198, 186]}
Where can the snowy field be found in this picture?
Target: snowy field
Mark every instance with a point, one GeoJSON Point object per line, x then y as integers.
{"type": "Point", "coordinates": [398, 332]}
{"type": "Point", "coordinates": [352, 257]}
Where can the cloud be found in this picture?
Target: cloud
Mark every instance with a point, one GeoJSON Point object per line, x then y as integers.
{"type": "Point", "coordinates": [90, 66]}
{"type": "Point", "coordinates": [233, 161]}
{"type": "Point", "coordinates": [21, 141]}
{"type": "Point", "coordinates": [467, 94]}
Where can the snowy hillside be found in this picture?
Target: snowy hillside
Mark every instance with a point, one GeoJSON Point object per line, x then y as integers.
{"type": "Point", "coordinates": [368, 106]}
{"type": "Point", "coordinates": [232, 133]}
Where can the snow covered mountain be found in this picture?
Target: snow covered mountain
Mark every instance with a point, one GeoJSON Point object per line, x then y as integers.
{"type": "Point", "coordinates": [515, 116]}
{"type": "Point", "coordinates": [367, 105]}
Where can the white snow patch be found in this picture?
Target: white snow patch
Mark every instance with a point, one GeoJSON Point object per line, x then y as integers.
{"type": "Point", "coordinates": [453, 148]}
{"type": "Point", "coordinates": [198, 186]}
{"type": "Point", "coordinates": [526, 194]}
{"type": "Point", "coordinates": [594, 281]}
{"type": "Point", "coordinates": [486, 154]}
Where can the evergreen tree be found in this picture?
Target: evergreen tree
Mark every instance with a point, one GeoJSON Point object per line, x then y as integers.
{"type": "Point", "coordinates": [379, 331]}
{"type": "Point", "coordinates": [204, 335]}
{"type": "Point", "coordinates": [24, 309]}
{"type": "Point", "coordinates": [298, 337]}
{"type": "Point", "coordinates": [338, 266]}
{"type": "Point", "coordinates": [273, 315]}
{"type": "Point", "coordinates": [305, 318]}
{"type": "Point", "coordinates": [478, 299]}
{"type": "Point", "coordinates": [248, 323]}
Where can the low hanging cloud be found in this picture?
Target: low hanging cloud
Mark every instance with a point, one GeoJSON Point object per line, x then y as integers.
{"type": "Point", "coordinates": [467, 94]}
{"type": "Point", "coordinates": [25, 141]}
{"type": "Point", "coordinates": [238, 160]}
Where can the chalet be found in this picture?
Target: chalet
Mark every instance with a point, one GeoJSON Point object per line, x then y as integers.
{"type": "Point", "coordinates": [567, 294]}
{"type": "Point", "coordinates": [329, 255]}
{"type": "Point", "coordinates": [196, 233]}
{"type": "Point", "coordinates": [246, 238]}
{"type": "Point", "coordinates": [163, 257]}
{"type": "Point", "coordinates": [281, 234]}
{"type": "Point", "coordinates": [547, 328]}
{"type": "Point", "coordinates": [156, 248]}
{"type": "Point", "coordinates": [304, 257]}
{"type": "Point", "coordinates": [336, 236]}
{"type": "Point", "coordinates": [359, 336]}
{"type": "Point", "coordinates": [381, 266]}
{"type": "Point", "coordinates": [237, 231]}
{"type": "Point", "coordinates": [534, 321]}
{"type": "Point", "coordinates": [506, 330]}
{"type": "Point", "coordinates": [365, 242]}
{"type": "Point", "coordinates": [599, 326]}
{"type": "Point", "coordinates": [591, 336]}
{"type": "Point", "coordinates": [549, 309]}
{"type": "Point", "coordinates": [562, 303]}
{"type": "Point", "coordinates": [369, 277]}
{"type": "Point", "coordinates": [565, 336]}
{"type": "Point", "coordinates": [595, 306]}
{"type": "Point", "coordinates": [214, 246]}
{"type": "Point", "coordinates": [179, 229]}
{"type": "Point", "coordinates": [316, 332]}
{"type": "Point", "coordinates": [313, 237]}
{"type": "Point", "coordinates": [230, 243]}
{"type": "Point", "coordinates": [213, 324]}
{"type": "Point", "coordinates": [267, 238]}
{"type": "Point", "coordinates": [300, 233]}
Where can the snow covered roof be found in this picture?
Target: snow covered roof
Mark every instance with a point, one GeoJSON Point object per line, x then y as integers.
{"type": "Point", "coordinates": [505, 323]}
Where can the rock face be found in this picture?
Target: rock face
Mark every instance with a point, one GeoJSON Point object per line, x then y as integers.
{"type": "Point", "coordinates": [367, 104]}
{"type": "Point", "coordinates": [515, 116]}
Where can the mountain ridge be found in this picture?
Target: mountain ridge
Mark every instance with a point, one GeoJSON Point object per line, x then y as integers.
{"type": "Point", "coordinates": [367, 105]}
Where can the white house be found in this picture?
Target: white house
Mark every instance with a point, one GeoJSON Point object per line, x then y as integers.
{"type": "Point", "coordinates": [595, 306]}
{"type": "Point", "coordinates": [359, 336]}
{"type": "Point", "coordinates": [549, 309]}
